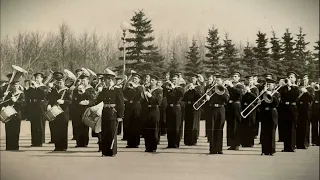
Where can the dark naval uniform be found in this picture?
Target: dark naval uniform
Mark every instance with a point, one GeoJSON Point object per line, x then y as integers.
{"type": "Point", "coordinates": [173, 116]}
{"type": "Point", "coordinates": [290, 114]}
{"type": "Point", "coordinates": [315, 120]}
{"type": "Point", "coordinates": [163, 107]}
{"type": "Point", "coordinates": [81, 130]}
{"type": "Point", "coordinates": [60, 124]}
{"type": "Point", "coordinates": [269, 120]}
{"type": "Point", "coordinates": [207, 113]}
{"type": "Point", "coordinates": [12, 127]}
{"type": "Point", "coordinates": [304, 114]}
{"type": "Point", "coordinates": [119, 87]}
{"type": "Point", "coordinates": [113, 109]}
{"type": "Point", "coordinates": [233, 113]}
{"type": "Point", "coordinates": [132, 121]}
{"type": "Point", "coordinates": [151, 118]}
{"type": "Point", "coordinates": [37, 107]}
{"type": "Point", "coordinates": [191, 116]}
{"type": "Point", "coordinates": [247, 125]}
{"type": "Point", "coordinates": [216, 124]}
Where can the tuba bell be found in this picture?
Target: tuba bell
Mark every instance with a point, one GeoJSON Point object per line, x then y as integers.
{"type": "Point", "coordinates": [17, 74]}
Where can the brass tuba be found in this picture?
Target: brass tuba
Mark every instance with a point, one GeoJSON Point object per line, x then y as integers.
{"type": "Point", "coordinates": [17, 74]}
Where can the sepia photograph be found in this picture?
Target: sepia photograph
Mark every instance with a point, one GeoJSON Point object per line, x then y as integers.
{"type": "Point", "coordinates": [159, 90]}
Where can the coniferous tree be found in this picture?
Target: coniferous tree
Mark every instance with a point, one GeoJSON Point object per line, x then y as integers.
{"type": "Point", "coordinates": [229, 57]}
{"type": "Point", "coordinates": [276, 55]}
{"type": "Point", "coordinates": [261, 53]}
{"type": "Point", "coordinates": [302, 55]}
{"type": "Point", "coordinates": [214, 50]}
{"type": "Point", "coordinates": [174, 64]}
{"type": "Point", "coordinates": [249, 59]}
{"type": "Point", "coordinates": [314, 63]}
{"type": "Point", "coordinates": [288, 52]}
{"type": "Point", "coordinates": [154, 63]}
{"type": "Point", "coordinates": [141, 44]}
{"type": "Point", "coordinates": [194, 64]}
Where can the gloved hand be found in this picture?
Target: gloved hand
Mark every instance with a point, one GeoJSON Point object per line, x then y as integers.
{"type": "Point", "coordinates": [84, 102]}
{"type": "Point", "coordinates": [49, 107]}
{"type": "Point", "coordinates": [14, 99]}
{"type": "Point", "coordinates": [50, 85]}
{"type": "Point", "coordinates": [60, 101]}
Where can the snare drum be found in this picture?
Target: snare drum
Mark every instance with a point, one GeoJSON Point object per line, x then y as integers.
{"type": "Point", "coordinates": [53, 113]}
{"type": "Point", "coordinates": [7, 113]}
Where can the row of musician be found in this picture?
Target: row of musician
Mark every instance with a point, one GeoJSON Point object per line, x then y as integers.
{"type": "Point", "coordinates": [153, 109]}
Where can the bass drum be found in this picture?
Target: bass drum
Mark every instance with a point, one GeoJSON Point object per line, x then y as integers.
{"type": "Point", "coordinates": [7, 113]}
{"type": "Point", "coordinates": [53, 113]}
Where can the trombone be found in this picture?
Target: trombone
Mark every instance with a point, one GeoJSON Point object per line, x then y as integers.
{"type": "Point", "coordinates": [266, 96]}
{"type": "Point", "coordinates": [218, 89]}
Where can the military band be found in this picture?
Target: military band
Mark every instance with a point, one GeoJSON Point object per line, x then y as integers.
{"type": "Point", "coordinates": [151, 107]}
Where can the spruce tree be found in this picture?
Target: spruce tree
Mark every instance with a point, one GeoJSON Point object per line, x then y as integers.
{"type": "Point", "coordinates": [288, 52]}
{"type": "Point", "coordinates": [249, 59]}
{"type": "Point", "coordinates": [314, 64]}
{"type": "Point", "coordinates": [214, 50]}
{"type": "Point", "coordinates": [141, 43]}
{"type": "Point", "coordinates": [174, 64]}
{"type": "Point", "coordinates": [154, 63]}
{"type": "Point", "coordinates": [301, 53]}
{"type": "Point", "coordinates": [261, 53]}
{"type": "Point", "coordinates": [276, 55]}
{"type": "Point", "coordinates": [194, 64]}
{"type": "Point", "coordinates": [229, 57]}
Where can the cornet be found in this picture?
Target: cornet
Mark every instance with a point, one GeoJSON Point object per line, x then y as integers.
{"type": "Point", "coordinates": [170, 85]}
{"type": "Point", "coordinates": [132, 85]}
{"type": "Point", "coordinates": [191, 86]}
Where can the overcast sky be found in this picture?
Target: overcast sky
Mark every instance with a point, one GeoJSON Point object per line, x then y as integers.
{"type": "Point", "coordinates": [240, 18]}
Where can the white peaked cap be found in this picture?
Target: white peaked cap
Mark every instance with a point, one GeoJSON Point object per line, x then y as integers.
{"type": "Point", "coordinates": [107, 71]}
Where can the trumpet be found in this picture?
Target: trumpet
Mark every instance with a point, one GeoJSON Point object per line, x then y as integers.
{"type": "Point", "coordinates": [132, 85]}
{"type": "Point", "coordinates": [170, 85]}
{"type": "Point", "coordinates": [316, 87]}
{"type": "Point", "coordinates": [191, 86]}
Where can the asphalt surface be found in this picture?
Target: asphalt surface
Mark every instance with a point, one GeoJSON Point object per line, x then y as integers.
{"type": "Point", "coordinates": [188, 162]}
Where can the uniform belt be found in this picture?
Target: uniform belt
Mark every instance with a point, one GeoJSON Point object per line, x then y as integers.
{"type": "Point", "coordinates": [171, 105]}
{"type": "Point", "coordinates": [109, 105]}
{"type": "Point", "coordinates": [36, 100]}
{"type": "Point", "coordinates": [216, 105]}
{"type": "Point", "coordinates": [304, 103]}
{"type": "Point", "coordinates": [150, 106]}
{"type": "Point", "coordinates": [230, 101]}
{"type": "Point", "coordinates": [288, 103]}
{"type": "Point", "coordinates": [131, 101]}
{"type": "Point", "coordinates": [190, 102]}
{"type": "Point", "coordinates": [267, 108]}
{"type": "Point", "coordinates": [316, 102]}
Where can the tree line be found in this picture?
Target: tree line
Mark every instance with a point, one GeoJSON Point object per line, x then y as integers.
{"type": "Point", "coordinates": [214, 53]}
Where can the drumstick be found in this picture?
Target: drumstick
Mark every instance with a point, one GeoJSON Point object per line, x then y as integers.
{"type": "Point", "coordinates": [114, 135]}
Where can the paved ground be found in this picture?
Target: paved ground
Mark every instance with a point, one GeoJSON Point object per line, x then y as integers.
{"type": "Point", "coordinates": [172, 164]}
